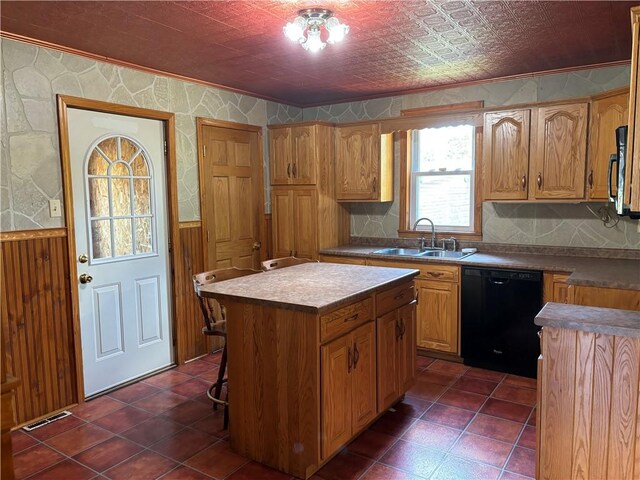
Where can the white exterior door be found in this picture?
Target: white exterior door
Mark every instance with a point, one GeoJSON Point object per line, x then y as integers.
{"type": "Point", "coordinates": [120, 215]}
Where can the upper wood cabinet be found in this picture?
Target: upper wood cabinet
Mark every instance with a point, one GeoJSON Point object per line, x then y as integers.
{"type": "Point", "coordinates": [280, 154]}
{"type": "Point", "coordinates": [296, 152]}
{"type": "Point", "coordinates": [608, 112]}
{"type": "Point", "coordinates": [558, 152]}
{"type": "Point", "coordinates": [632, 170]}
{"type": "Point", "coordinates": [506, 154]}
{"type": "Point", "coordinates": [364, 163]}
{"type": "Point", "coordinates": [536, 153]}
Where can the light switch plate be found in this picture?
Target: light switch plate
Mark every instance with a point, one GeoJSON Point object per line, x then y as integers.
{"type": "Point", "coordinates": [54, 208]}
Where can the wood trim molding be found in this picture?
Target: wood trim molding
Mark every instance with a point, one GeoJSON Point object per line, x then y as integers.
{"type": "Point", "coordinates": [121, 63]}
{"type": "Point", "coordinates": [135, 66]}
{"type": "Point", "coordinates": [190, 224]}
{"type": "Point", "coordinates": [17, 235]}
{"type": "Point", "coordinates": [210, 122]}
{"type": "Point", "coordinates": [65, 102]}
{"type": "Point", "coordinates": [454, 107]}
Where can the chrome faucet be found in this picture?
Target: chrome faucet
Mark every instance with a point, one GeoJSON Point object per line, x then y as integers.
{"type": "Point", "coordinates": [433, 233]}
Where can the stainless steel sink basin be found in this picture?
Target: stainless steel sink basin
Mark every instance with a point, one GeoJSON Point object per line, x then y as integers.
{"type": "Point", "coordinates": [443, 254]}
{"type": "Point", "coordinates": [416, 252]}
{"type": "Point", "coordinates": [408, 252]}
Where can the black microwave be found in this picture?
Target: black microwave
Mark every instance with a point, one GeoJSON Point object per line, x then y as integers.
{"type": "Point", "coordinates": [619, 160]}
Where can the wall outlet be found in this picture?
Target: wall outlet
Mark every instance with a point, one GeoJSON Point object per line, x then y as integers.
{"type": "Point", "coordinates": [54, 208]}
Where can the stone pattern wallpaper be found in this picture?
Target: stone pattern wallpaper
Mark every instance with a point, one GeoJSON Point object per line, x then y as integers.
{"type": "Point", "coordinates": [30, 165]}
{"type": "Point", "coordinates": [540, 224]}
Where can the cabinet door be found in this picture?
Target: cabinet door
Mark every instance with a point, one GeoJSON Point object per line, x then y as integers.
{"type": "Point", "coordinates": [559, 157]}
{"type": "Point", "coordinates": [438, 315]}
{"type": "Point", "coordinates": [607, 114]}
{"type": "Point", "coordinates": [282, 222]}
{"type": "Point", "coordinates": [506, 155]}
{"type": "Point", "coordinates": [336, 394]}
{"type": "Point", "coordinates": [303, 141]}
{"type": "Point", "coordinates": [305, 215]}
{"type": "Point", "coordinates": [357, 162]}
{"type": "Point", "coordinates": [407, 347]}
{"type": "Point", "coordinates": [387, 336]}
{"type": "Point", "coordinates": [363, 376]}
{"type": "Point", "coordinates": [280, 156]}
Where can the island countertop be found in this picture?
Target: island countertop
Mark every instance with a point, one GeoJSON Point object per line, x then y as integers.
{"type": "Point", "coordinates": [312, 287]}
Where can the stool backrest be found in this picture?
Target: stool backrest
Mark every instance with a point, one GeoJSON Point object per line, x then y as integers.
{"type": "Point", "coordinates": [212, 311]}
{"type": "Point", "coordinates": [284, 262]}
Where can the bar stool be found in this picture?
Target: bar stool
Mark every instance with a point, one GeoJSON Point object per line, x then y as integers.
{"type": "Point", "coordinates": [215, 324]}
{"type": "Point", "coordinates": [276, 263]}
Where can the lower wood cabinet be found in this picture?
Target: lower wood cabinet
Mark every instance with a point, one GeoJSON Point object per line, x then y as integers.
{"type": "Point", "coordinates": [557, 290]}
{"type": "Point", "coordinates": [588, 394]}
{"type": "Point", "coordinates": [348, 386]}
{"type": "Point", "coordinates": [396, 343]}
{"type": "Point", "coordinates": [438, 313]}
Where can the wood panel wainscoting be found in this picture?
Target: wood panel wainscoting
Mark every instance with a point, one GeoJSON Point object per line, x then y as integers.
{"type": "Point", "coordinates": [191, 343]}
{"type": "Point", "coordinates": [37, 323]}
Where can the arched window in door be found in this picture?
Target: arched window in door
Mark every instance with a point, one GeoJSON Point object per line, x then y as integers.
{"type": "Point", "coordinates": [120, 196]}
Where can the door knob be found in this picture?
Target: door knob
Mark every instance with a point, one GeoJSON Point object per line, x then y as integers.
{"type": "Point", "coordinates": [84, 278]}
{"type": "Point", "coordinates": [83, 258]}
{"type": "Point", "coordinates": [257, 245]}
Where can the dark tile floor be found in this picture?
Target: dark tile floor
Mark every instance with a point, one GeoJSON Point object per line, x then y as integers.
{"type": "Point", "coordinates": [456, 423]}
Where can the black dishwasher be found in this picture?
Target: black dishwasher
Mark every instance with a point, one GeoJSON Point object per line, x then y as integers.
{"type": "Point", "coordinates": [498, 308]}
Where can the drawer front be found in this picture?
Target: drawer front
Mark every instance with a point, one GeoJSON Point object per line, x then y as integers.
{"type": "Point", "coordinates": [345, 319]}
{"type": "Point", "coordinates": [428, 271]}
{"type": "Point", "coordinates": [394, 298]}
{"type": "Point", "coordinates": [440, 272]}
{"type": "Point", "coordinates": [346, 260]}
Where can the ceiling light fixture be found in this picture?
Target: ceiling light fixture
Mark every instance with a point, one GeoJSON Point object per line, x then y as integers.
{"type": "Point", "coordinates": [310, 21]}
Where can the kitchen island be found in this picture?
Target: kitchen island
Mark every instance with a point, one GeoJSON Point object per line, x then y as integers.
{"type": "Point", "coordinates": [316, 353]}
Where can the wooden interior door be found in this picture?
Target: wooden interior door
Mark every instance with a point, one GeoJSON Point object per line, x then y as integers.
{"type": "Point", "coordinates": [282, 222]}
{"type": "Point", "coordinates": [607, 114]}
{"type": "Point", "coordinates": [364, 375]}
{"type": "Point", "coordinates": [506, 154]}
{"type": "Point", "coordinates": [303, 141]}
{"type": "Point", "coordinates": [280, 156]}
{"type": "Point", "coordinates": [438, 307]}
{"type": "Point", "coordinates": [232, 197]}
{"type": "Point", "coordinates": [336, 394]}
{"type": "Point", "coordinates": [559, 159]}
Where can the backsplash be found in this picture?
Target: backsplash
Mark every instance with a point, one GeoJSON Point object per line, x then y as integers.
{"type": "Point", "coordinates": [570, 225]}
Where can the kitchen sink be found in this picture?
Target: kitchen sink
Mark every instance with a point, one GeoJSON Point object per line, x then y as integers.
{"type": "Point", "coordinates": [404, 252]}
{"type": "Point", "coordinates": [416, 252]}
{"type": "Point", "coordinates": [443, 254]}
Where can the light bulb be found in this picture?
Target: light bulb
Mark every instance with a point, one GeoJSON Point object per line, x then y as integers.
{"type": "Point", "coordinates": [313, 43]}
{"type": "Point", "coordinates": [337, 30]}
{"type": "Point", "coordinates": [294, 31]}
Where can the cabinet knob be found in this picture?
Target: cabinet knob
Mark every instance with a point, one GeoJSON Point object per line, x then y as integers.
{"type": "Point", "coordinates": [349, 360]}
{"type": "Point", "coordinates": [374, 185]}
{"type": "Point", "coordinates": [523, 182]}
{"type": "Point", "coordinates": [295, 170]}
{"type": "Point", "coordinates": [289, 170]}
{"type": "Point", "coordinates": [539, 181]}
{"type": "Point", "coordinates": [256, 245]}
{"type": "Point", "coordinates": [590, 179]}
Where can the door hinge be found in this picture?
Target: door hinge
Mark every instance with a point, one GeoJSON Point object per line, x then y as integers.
{"type": "Point", "coordinates": [207, 235]}
{"type": "Point", "coordinates": [204, 151]}
{"type": "Point", "coordinates": [165, 147]}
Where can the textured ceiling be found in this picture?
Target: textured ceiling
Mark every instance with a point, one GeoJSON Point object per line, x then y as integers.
{"type": "Point", "coordinates": [393, 46]}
